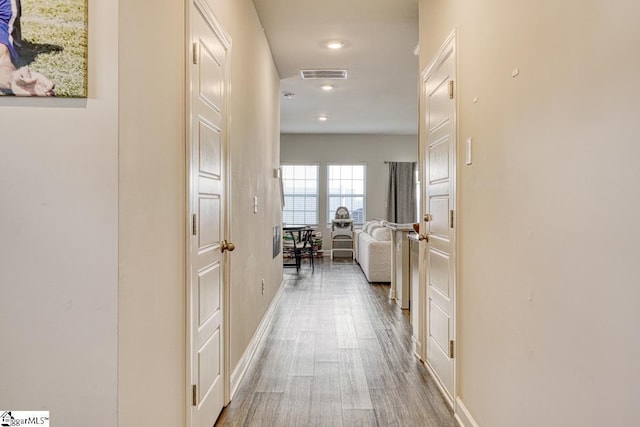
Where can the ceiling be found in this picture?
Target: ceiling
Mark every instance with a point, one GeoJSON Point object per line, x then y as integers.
{"type": "Point", "coordinates": [380, 95]}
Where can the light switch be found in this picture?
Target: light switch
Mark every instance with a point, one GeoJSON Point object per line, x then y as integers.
{"type": "Point", "coordinates": [468, 151]}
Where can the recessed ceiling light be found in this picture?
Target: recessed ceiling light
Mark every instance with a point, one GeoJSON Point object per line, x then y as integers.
{"type": "Point", "coordinates": [327, 88]}
{"type": "Point", "coordinates": [323, 118]}
{"type": "Point", "coordinates": [335, 44]}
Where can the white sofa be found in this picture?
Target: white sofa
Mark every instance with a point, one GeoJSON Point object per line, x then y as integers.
{"type": "Point", "coordinates": [373, 251]}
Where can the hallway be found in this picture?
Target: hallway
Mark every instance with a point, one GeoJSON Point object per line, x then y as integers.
{"type": "Point", "coordinates": [338, 353]}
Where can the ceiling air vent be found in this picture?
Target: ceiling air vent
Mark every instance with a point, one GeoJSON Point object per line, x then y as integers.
{"type": "Point", "coordinates": [323, 74]}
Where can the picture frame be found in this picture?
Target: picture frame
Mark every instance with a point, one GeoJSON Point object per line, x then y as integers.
{"type": "Point", "coordinates": [44, 46]}
{"type": "Point", "coordinates": [277, 240]}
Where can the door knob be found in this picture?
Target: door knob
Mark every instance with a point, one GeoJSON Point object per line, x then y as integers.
{"type": "Point", "coordinates": [227, 246]}
{"type": "Point", "coordinates": [427, 217]}
{"type": "Point", "coordinates": [424, 237]}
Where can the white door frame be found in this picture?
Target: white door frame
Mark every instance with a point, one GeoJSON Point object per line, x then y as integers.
{"type": "Point", "coordinates": [449, 45]}
{"type": "Point", "coordinates": [189, 54]}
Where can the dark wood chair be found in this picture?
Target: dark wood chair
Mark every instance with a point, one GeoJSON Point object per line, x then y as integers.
{"type": "Point", "coordinates": [298, 245]}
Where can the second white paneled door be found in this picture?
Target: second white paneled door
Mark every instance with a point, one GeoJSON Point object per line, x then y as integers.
{"type": "Point", "coordinates": [438, 148]}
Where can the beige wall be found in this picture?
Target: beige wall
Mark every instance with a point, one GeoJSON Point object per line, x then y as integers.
{"type": "Point", "coordinates": [58, 244]}
{"type": "Point", "coordinates": [547, 284]}
{"type": "Point", "coordinates": [373, 150]}
{"type": "Point", "coordinates": [254, 150]}
{"type": "Point", "coordinates": [152, 199]}
{"type": "Point", "coordinates": [151, 334]}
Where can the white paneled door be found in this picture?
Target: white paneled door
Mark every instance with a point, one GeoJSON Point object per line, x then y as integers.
{"type": "Point", "coordinates": [207, 203]}
{"type": "Point", "coordinates": [439, 162]}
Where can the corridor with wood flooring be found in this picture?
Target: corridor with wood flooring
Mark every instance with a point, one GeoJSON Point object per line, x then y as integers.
{"type": "Point", "coordinates": [338, 353]}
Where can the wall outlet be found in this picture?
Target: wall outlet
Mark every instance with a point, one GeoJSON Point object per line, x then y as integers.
{"type": "Point", "coordinates": [262, 286]}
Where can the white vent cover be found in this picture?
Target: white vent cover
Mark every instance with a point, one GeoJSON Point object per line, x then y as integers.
{"type": "Point", "coordinates": [323, 74]}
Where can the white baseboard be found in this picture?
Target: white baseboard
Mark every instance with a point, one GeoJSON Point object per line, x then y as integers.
{"type": "Point", "coordinates": [417, 348]}
{"type": "Point", "coordinates": [463, 416]}
{"type": "Point", "coordinates": [245, 360]}
{"type": "Point", "coordinates": [445, 395]}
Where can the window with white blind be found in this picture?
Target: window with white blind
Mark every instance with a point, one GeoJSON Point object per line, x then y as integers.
{"type": "Point", "coordinates": [347, 188]}
{"type": "Point", "coordinates": [300, 185]}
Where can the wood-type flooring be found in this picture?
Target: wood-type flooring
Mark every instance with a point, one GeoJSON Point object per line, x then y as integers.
{"type": "Point", "coordinates": [338, 353]}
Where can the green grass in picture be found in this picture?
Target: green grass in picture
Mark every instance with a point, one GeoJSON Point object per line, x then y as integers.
{"type": "Point", "coordinates": [54, 42]}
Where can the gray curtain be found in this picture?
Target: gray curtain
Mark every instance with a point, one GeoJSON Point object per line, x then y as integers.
{"type": "Point", "coordinates": [401, 205]}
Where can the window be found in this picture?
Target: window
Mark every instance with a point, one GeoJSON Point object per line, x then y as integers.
{"type": "Point", "coordinates": [300, 184]}
{"type": "Point", "coordinates": [346, 188]}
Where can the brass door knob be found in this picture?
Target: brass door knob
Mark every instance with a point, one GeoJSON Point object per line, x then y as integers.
{"type": "Point", "coordinates": [227, 246]}
{"type": "Point", "coordinates": [424, 237]}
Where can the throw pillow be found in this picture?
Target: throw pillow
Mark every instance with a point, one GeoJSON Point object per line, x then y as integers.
{"type": "Point", "coordinates": [381, 233]}
{"type": "Point", "coordinates": [372, 227]}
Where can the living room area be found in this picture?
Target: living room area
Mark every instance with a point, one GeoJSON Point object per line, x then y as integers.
{"type": "Point", "coordinates": [368, 153]}
{"type": "Point", "coordinates": [324, 172]}
{"type": "Point", "coordinates": [306, 164]}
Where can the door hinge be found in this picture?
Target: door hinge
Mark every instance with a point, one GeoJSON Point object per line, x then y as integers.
{"type": "Point", "coordinates": [451, 344]}
{"type": "Point", "coordinates": [194, 224]}
{"type": "Point", "coordinates": [451, 218]}
{"type": "Point", "coordinates": [195, 52]}
{"type": "Point", "coordinates": [450, 89]}
{"type": "Point", "coordinates": [194, 393]}
{"type": "Point", "coordinates": [427, 217]}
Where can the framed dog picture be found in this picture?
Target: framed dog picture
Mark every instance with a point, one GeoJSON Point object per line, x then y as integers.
{"type": "Point", "coordinates": [43, 48]}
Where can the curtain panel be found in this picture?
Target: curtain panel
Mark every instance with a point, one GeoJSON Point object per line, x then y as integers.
{"type": "Point", "coordinates": [401, 203]}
